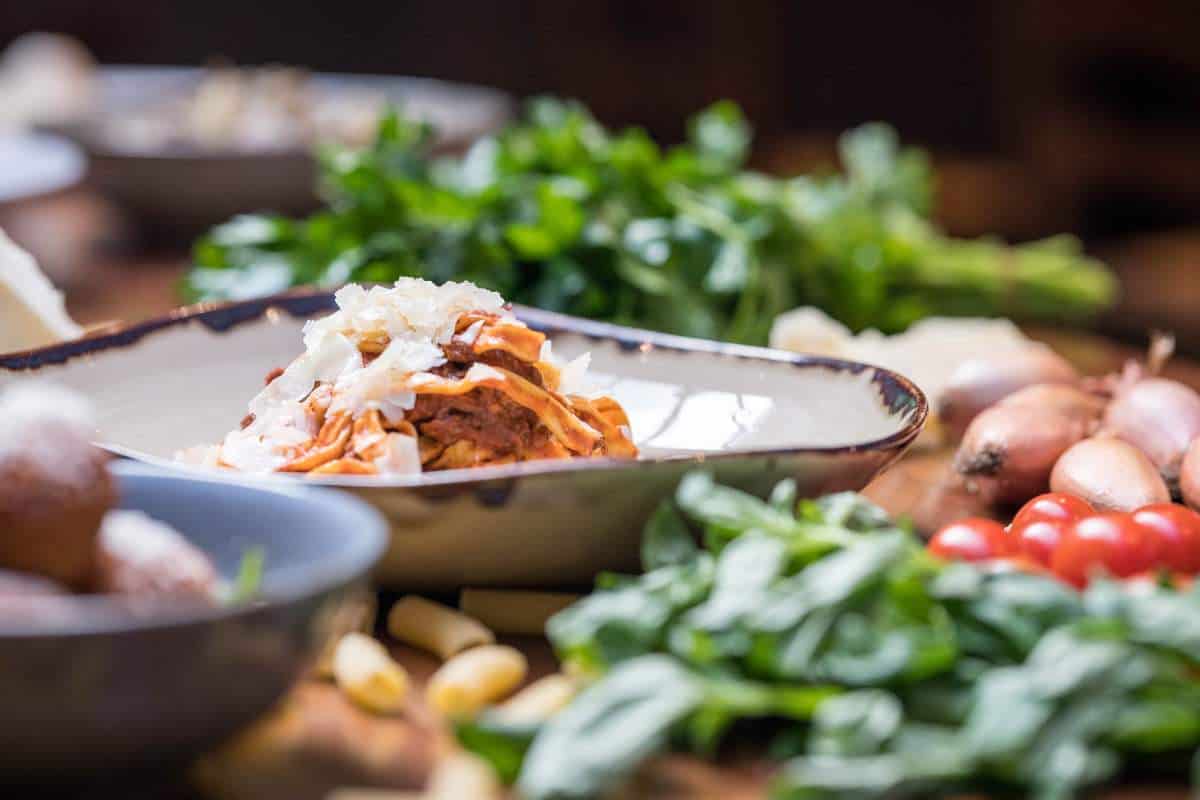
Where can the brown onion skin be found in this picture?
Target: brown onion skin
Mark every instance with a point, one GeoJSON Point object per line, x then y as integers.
{"type": "Point", "coordinates": [1160, 417]}
{"type": "Point", "coordinates": [1009, 451]}
{"type": "Point", "coordinates": [1189, 475]}
{"type": "Point", "coordinates": [1109, 473]}
{"type": "Point", "coordinates": [982, 382]}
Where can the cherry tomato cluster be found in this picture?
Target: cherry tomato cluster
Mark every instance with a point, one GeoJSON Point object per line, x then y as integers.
{"type": "Point", "coordinates": [1062, 534]}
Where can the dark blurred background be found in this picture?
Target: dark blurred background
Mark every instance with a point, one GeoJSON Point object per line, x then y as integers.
{"type": "Point", "coordinates": [1076, 115]}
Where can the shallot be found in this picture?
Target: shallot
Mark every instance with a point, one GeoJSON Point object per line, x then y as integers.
{"type": "Point", "coordinates": [1189, 475]}
{"type": "Point", "coordinates": [981, 382]}
{"type": "Point", "coordinates": [1059, 397]}
{"type": "Point", "coordinates": [1009, 450]}
{"type": "Point", "coordinates": [1109, 473]}
{"type": "Point", "coordinates": [1160, 417]}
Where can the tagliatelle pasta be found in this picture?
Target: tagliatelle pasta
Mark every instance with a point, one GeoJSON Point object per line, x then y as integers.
{"type": "Point", "coordinates": [420, 377]}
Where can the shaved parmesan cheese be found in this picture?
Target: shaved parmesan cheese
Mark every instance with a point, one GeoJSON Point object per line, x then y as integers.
{"type": "Point", "coordinates": [471, 333]}
{"type": "Point", "coordinates": [930, 351]}
{"type": "Point", "coordinates": [401, 456]}
{"type": "Point", "coordinates": [32, 313]}
{"type": "Point", "coordinates": [573, 377]}
{"type": "Point", "coordinates": [359, 388]}
{"type": "Point", "coordinates": [927, 353]}
{"type": "Point", "coordinates": [411, 309]}
{"type": "Point", "coordinates": [810, 330]}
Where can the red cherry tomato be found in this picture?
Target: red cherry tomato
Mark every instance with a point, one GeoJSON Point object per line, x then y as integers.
{"type": "Point", "coordinates": [1037, 540]}
{"type": "Point", "coordinates": [971, 539]}
{"type": "Point", "coordinates": [1178, 531]}
{"type": "Point", "coordinates": [1111, 543]}
{"type": "Point", "coordinates": [1054, 507]}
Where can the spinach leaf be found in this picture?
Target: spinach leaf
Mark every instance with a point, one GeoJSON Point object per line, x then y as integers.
{"type": "Point", "coordinates": [609, 729]}
{"type": "Point", "coordinates": [499, 742]}
{"type": "Point", "coordinates": [878, 670]}
{"type": "Point", "coordinates": [608, 627]}
{"type": "Point", "coordinates": [666, 541]}
{"type": "Point", "coordinates": [711, 630]}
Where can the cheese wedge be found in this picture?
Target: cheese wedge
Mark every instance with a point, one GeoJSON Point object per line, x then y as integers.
{"type": "Point", "coordinates": [32, 313]}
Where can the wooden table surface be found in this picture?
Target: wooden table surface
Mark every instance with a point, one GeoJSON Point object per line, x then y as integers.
{"type": "Point", "coordinates": [316, 741]}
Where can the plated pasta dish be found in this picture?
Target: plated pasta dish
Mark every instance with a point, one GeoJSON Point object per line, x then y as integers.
{"type": "Point", "coordinates": [415, 377]}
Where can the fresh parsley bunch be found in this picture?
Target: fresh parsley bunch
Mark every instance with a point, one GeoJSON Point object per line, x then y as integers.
{"type": "Point", "coordinates": [556, 211]}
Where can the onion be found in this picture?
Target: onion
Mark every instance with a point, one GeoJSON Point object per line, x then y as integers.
{"type": "Point", "coordinates": [1109, 473]}
{"type": "Point", "coordinates": [1059, 397]}
{"type": "Point", "coordinates": [1160, 417]}
{"type": "Point", "coordinates": [1008, 451]}
{"type": "Point", "coordinates": [981, 382]}
{"type": "Point", "coordinates": [1189, 475]}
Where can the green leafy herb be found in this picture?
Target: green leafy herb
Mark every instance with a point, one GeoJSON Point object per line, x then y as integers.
{"type": "Point", "coordinates": [558, 212]}
{"type": "Point", "coordinates": [503, 743]}
{"type": "Point", "coordinates": [248, 581]}
{"type": "Point", "coordinates": [666, 540]}
{"type": "Point", "coordinates": [883, 672]}
{"type": "Point", "coordinates": [609, 729]}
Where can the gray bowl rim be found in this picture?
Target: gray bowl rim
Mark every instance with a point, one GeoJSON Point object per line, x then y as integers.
{"type": "Point", "coordinates": [899, 394]}
{"type": "Point", "coordinates": [85, 134]}
{"type": "Point", "coordinates": [54, 188]}
{"type": "Point", "coordinates": [99, 615]}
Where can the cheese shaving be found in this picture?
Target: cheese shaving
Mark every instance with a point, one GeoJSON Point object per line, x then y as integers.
{"type": "Point", "coordinates": [32, 313]}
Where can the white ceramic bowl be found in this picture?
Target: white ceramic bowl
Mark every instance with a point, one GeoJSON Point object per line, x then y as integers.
{"type": "Point", "coordinates": [752, 416]}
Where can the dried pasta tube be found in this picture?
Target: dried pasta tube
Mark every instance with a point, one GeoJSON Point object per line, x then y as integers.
{"type": "Point", "coordinates": [539, 700]}
{"type": "Point", "coordinates": [514, 612]}
{"type": "Point", "coordinates": [434, 627]}
{"type": "Point", "coordinates": [368, 675]}
{"type": "Point", "coordinates": [476, 678]}
{"type": "Point", "coordinates": [356, 614]}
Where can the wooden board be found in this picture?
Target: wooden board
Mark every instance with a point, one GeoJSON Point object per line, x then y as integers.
{"type": "Point", "coordinates": [316, 741]}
